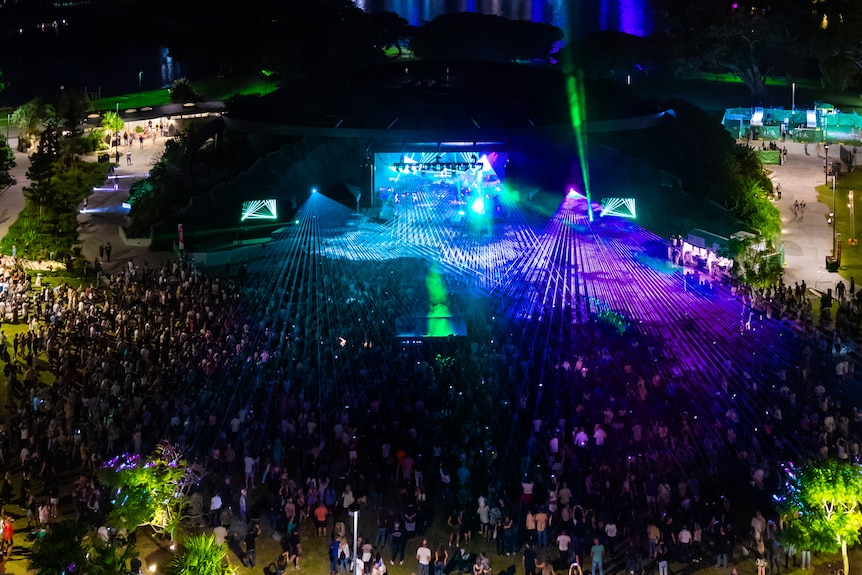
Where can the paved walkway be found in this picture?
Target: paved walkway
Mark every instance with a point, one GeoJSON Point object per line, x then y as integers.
{"type": "Point", "coordinates": [807, 236]}
{"type": "Point", "coordinates": [106, 210]}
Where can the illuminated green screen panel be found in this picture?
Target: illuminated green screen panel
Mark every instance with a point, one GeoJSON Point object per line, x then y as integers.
{"type": "Point", "coordinates": [622, 207]}
{"type": "Point", "coordinates": [259, 210]}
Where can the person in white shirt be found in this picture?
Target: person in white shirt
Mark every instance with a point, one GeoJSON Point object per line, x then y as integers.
{"type": "Point", "coordinates": [599, 435]}
{"type": "Point", "coordinates": [581, 438]}
{"type": "Point", "coordinates": [684, 540]}
{"type": "Point", "coordinates": [611, 535]}
{"type": "Point", "coordinates": [250, 468]}
{"type": "Point", "coordinates": [423, 556]}
{"type": "Point", "coordinates": [215, 510]}
{"type": "Point", "coordinates": [564, 540]}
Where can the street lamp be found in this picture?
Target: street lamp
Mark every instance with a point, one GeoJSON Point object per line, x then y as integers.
{"type": "Point", "coordinates": [826, 167]}
{"type": "Point", "coordinates": [793, 96]}
{"type": "Point", "coordinates": [852, 207]}
{"type": "Point", "coordinates": [140, 76]}
{"type": "Point", "coordinates": [834, 218]}
{"type": "Point", "coordinates": [353, 511]}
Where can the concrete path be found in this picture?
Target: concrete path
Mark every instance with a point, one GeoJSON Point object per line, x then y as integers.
{"type": "Point", "coordinates": [806, 234]}
{"type": "Point", "coordinates": [106, 210]}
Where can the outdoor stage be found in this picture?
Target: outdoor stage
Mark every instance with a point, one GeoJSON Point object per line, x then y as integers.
{"type": "Point", "coordinates": [536, 278]}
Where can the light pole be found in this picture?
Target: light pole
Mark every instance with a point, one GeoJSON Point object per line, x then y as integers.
{"type": "Point", "coordinates": [140, 76]}
{"type": "Point", "coordinates": [826, 168]}
{"type": "Point", "coordinates": [793, 96]}
{"type": "Point", "coordinates": [834, 220]}
{"type": "Point", "coordinates": [852, 207]}
{"type": "Point", "coordinates": [8, 121]}
{"type": "Point", "coordinates": [353, 511]}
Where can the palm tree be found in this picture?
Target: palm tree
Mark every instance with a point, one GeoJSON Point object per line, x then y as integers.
{"type": "Point", "coordinates": [201, 555]}
{"type": "Point", "coordinates": [114, 124]}
{"type": "Point", "coordinates": [60, 550]}
{"type": "Point", "coordinates": [109, 557]}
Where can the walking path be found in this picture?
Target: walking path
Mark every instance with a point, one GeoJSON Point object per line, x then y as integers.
{"type": "Point", "coordinates": [806, 234]}
{"type": "Point", "coordinates": [106, 210]}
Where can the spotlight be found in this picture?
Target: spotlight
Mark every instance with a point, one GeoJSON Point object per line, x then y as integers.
{"type": "Point", "coordinates": [313, 190]}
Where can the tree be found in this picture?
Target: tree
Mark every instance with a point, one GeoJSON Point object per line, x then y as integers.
{"type": "Point", "coordinates": [71, 108]}
{"type": "Point", "coordinates": [72, 182]}
{"type": "Point", "coordinates": [611, 54]}
{"type": "Point", "coordinates": [150, 492]}
{"type": "Point", "coordinates": [61, 550]}
{"type": "Point", "coordinates": [164, 193]}
{"type": "Point", "coordinates": [41, 169]}
{"type": "Point", "coordinates": [113, 124]}
{"type": "Point", "coordinates": [749, 40]}
{"type": "Point", "coordinates": [182, 91]}
{"type": "Point", "coordinates": [390, 30]}
{"type": "Point", "coordinates": [201, 555]}
{"type": "Point", "coordinates": [7, 162]}
{"type": "Point", "coordinates": [469, 36]}
{"type": "Point", "coordinates": [836, 43]}
{"type": "Point", "coordinates": [748, 198]}
{"type": "Point", "coordinates": [293, 40]}
{"type": "Point", "coordinates": [821, 506]}
{"type": "Point", "coordinates": [29, 119]}
{"type": "Point", "coordinates": [108, 557]}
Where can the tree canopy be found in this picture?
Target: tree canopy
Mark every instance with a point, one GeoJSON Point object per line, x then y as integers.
{"type": "Point", "coordinates": [836, 43]}
{"type": "Point", "coordinates": [746, 39]}
{"type": "Point", "coordinates": [29, 119]}
{"type": "Point", "coordinates": [7, 162]}
{"type": "Point", "coordinates": [613, 55]}
{"type": "Point", "coordinates": [149, 491]}
{"type": "Point", "coordinates": [469, 36]}
{"type": "Point", "coordinates": [821, 506]}
{"type": "Point", "coordinates": [164, 193]}
{"type": "Point", "coordinates": [289, 38]}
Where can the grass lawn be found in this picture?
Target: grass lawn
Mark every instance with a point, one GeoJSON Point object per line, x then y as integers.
{"type": "Point", "coordinates": [46, 377]}
{"type": "Point", "coordinates": [211, 89]}
{"type": "Point", "coordinates": [717, 92]}
{"type": "Point", "coordinates": [851, 255]}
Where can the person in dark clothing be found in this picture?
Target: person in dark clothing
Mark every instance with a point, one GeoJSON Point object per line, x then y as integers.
{"type": "Point", "coordinates": [397, 538]}
{"type": "Point", "coordinates": [529, 558]}
{"type": "Point", "coordinates": [250, 558]}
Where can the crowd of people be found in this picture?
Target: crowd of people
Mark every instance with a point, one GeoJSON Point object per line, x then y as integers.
{"type": "Point", "coordinates": [451, 443]}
